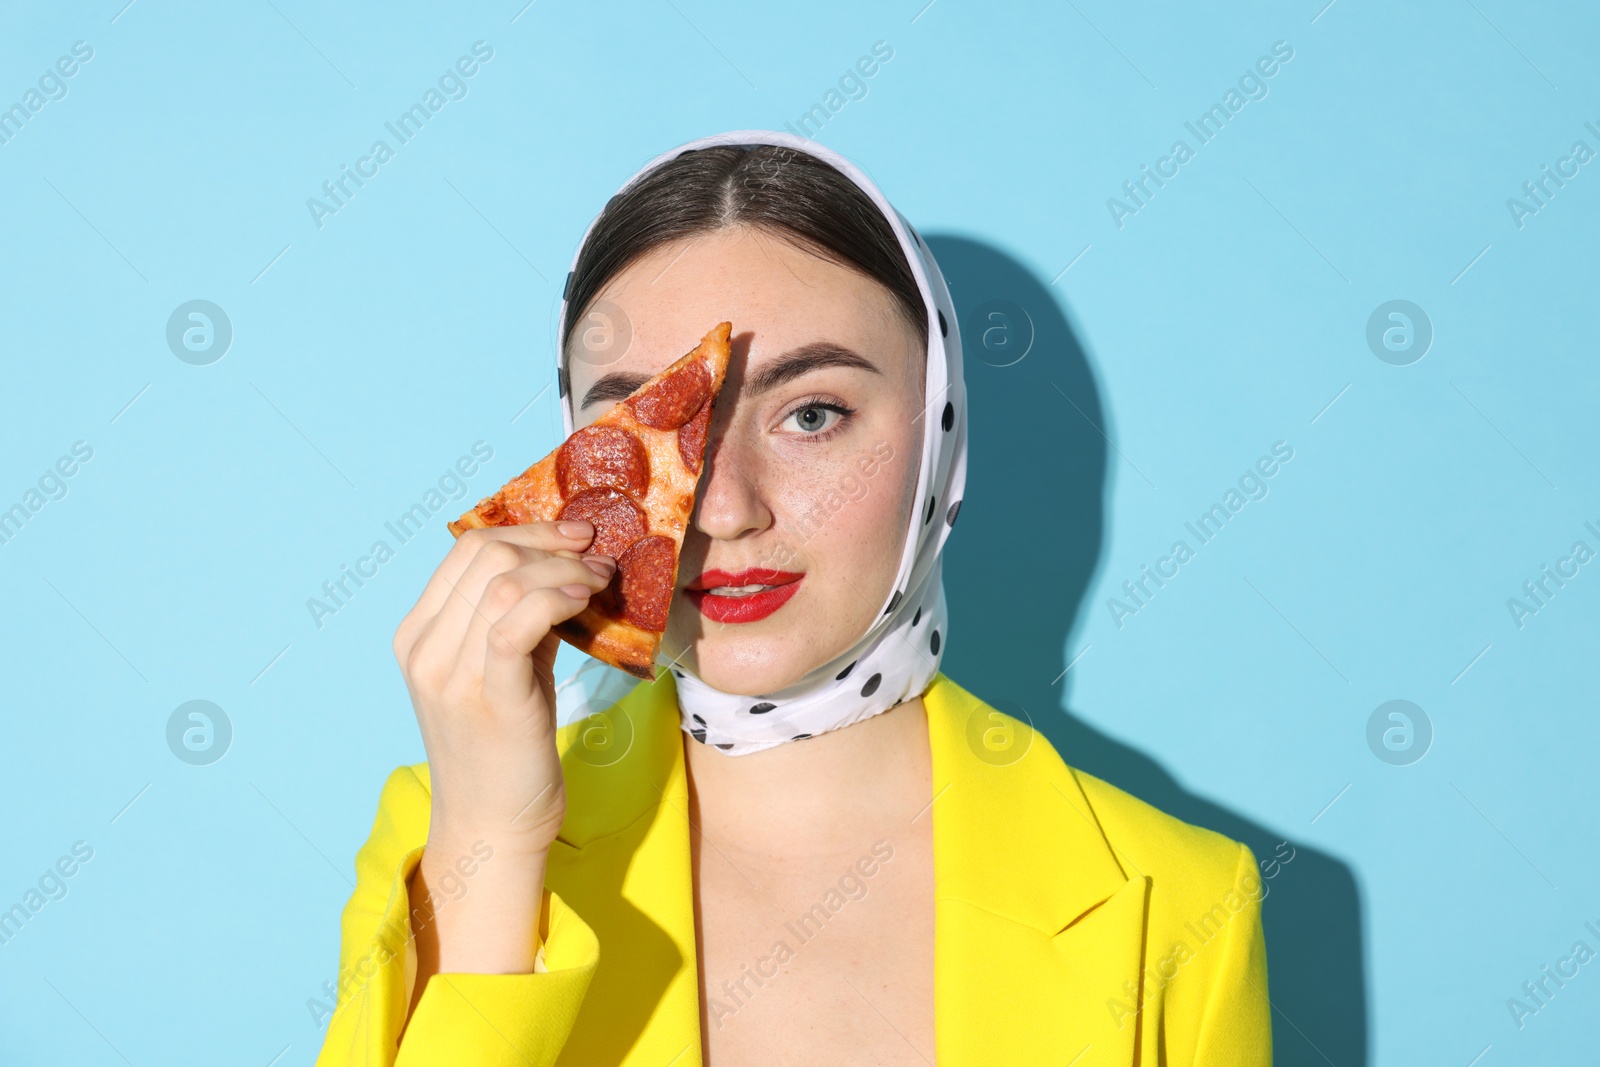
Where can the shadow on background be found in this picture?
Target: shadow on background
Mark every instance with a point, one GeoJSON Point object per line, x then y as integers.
{"type": "Point", "coordinates": [1312, 913]}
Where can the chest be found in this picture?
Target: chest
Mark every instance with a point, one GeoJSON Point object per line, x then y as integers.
{"type": "Point", "coordinates": [825, 959]}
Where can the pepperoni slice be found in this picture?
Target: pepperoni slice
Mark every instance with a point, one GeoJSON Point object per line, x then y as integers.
{"type": "Point", "coordinates": [598, 456]}
{"type": "Point", "coordinates": [673, 400]}
{"type": "Point", "coordinates": [618, 522]}
{"type": "Point", "coordinates": [642, 590]}
{"type": "Point", "coordinates": [692, 439]}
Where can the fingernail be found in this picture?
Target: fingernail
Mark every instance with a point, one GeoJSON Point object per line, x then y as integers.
{"type": "Point", "coordinates": [575, 528]}
{"type": "Point", "coordinates": [577, 592]}
{"type": "Point", "coordinates": [601, 565]}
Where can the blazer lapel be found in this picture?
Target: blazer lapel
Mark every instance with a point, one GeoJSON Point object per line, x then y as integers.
{"type": "Point", "coordinates": [1039, 931]}
{"type": "Point", "coordinates": [622, 860]}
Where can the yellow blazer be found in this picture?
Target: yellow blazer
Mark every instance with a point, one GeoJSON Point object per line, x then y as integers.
{"type": "Point", "coordinates": [1074, 924]}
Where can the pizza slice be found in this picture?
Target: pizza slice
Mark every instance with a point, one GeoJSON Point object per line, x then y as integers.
{"type": "Point", "coordinates": [633, 472]}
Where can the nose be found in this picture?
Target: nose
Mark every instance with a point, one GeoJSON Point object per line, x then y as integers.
{"type": "Point", "coordinates": [731, 504]}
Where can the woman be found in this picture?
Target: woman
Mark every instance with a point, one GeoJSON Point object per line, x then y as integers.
{"type": "Point", "coordinates": [802, 843]}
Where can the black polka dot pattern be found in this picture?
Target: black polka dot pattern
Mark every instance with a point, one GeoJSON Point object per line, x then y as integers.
{"type": "Point", "coordinates": [699, 734]}
{"type": "Point", "coordinates": [944, 327]}
{"type": "Point", "coordinates": [917, 617]}
{"type": "Point", "coordinates": [894, 602]}
{"type": "Point", "coordinates": [933, 643]}
{"type": "Point", "coordinates": [929, 517]}
{"type": "Point", "coordinates": [872, 685]}
{"type": "Point", "coordinates": [762, 708]}
{"type": "Point", "coordinates": [698, 719]}
{"type": "Point", "coordinates": [841, 675]}
{"type": "Point", "coordinates": [950, 516]}
{"type": "Point", "coordinates": [949, 418]}
{"type": "Point", "coordinates": [799, 737]}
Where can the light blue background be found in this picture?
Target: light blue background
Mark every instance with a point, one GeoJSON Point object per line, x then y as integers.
{"type": "Point", "coordinates": [1229, 313]}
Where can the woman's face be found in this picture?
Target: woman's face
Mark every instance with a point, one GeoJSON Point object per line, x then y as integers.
{"type": "Point", "coordinates": [812, 456]}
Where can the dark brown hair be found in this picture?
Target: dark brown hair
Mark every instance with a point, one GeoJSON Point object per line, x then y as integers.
{"type": "Point", "coordinates": [789, 193]}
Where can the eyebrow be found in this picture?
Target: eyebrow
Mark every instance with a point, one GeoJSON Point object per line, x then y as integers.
{"type": "Point", "coordinates": [802, 361]}
{"type": "Point", "coordinates": [614, 386]}
{"type": "Point", "coordinates": [791, 365]}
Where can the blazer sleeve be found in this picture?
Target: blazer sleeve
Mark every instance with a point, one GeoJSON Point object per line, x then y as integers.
{"type": "Point", "coordinates": [490, 1019]}
{"type": "Point", "coordinates": [1236, 1024]}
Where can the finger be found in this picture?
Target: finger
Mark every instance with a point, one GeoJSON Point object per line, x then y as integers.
{"type": "Point", "coordinates": [495, 556]}
{"type": "Point", "coordinates": [504, 591]}
{"type": "Point", "coordinates": [568, 535]}
{"type": "Point", "coordinates": [443, 651]}
{"type": "Point", "coordinates": [510, 677]}
{"type": "Point", "coordinates": [550, 592]}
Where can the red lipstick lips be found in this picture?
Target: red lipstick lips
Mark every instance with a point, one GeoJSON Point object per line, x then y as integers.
{"type": "Point", "coordinates": [742, 607]}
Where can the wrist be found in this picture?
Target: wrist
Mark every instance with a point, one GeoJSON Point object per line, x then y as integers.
{"type": "Point", "coordinates": [482, 922]}
{"type": "Point", "coordinates": [453, 841]}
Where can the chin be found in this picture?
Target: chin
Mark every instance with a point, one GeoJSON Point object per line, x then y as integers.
{"type": "Point", "coordinates": [750, 666]}
{"type": "Point", "coordinates": [747, 663]}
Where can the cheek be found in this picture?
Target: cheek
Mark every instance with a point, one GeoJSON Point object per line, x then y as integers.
{"type": "Point", "coordinates": [851, 515]}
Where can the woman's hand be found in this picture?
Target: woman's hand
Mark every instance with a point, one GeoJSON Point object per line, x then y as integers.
{"type": "Point", "coordinates": [478, 655]}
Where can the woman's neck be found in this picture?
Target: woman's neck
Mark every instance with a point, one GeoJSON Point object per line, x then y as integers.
{"type": "Point", "coordinates": [818, 795]}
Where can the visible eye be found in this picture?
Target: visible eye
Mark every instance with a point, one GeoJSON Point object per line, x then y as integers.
{"type": "Point", "coordinates": [817, 420]}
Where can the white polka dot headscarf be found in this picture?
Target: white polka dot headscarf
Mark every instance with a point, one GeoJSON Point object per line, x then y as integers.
{"type": "Point", "coordinates": [899, 654]}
